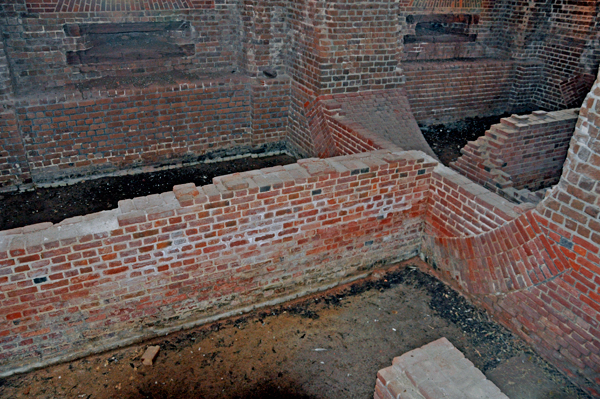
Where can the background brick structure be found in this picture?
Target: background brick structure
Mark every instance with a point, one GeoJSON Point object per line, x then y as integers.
{"type": "Point", "coordinates": [462, 54]}
{"type": "Point", "coordinates": [553, 43]}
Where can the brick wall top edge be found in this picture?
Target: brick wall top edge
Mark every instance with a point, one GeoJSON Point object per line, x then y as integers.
{"type": "Point", "coordinates": [540, 118]}
{"type": "Point", "coordinates": [141, 209]}
{"type": "Point", "coordinates": [44, 233]}
{"type": "Point", "coordinates": [479, 192]}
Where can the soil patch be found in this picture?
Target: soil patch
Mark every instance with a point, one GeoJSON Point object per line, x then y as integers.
{"type": "Point", "coordinates": [54, 204]}
{"type": "Point", "coordinates": [446, 140]}
{"type": "Point", "coordinates": [325, 346]}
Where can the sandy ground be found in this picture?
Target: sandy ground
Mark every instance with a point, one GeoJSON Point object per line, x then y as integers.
{"type": "Point", "coordinates": [325, 346]}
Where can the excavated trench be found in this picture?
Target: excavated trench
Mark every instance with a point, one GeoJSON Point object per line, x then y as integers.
{"type": "Point", "coordinates": [54, 204]}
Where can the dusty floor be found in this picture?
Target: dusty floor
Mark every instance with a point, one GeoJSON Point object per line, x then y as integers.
{"type": "Point", "coordinates": [325, 346]}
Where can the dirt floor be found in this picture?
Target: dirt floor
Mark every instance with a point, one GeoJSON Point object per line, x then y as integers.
{"type": "Point", "coordinates": [54, 204]}
{"type": "Point", "coordinates": [325, 346]}
{"type": "Point", "coordinates": [446, 140]}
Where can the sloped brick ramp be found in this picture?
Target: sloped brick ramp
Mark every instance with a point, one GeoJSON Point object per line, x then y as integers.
{"type": "Point", "coordinates": [436, 370]}
{"type": "Point", "coordinates": [380, 119]}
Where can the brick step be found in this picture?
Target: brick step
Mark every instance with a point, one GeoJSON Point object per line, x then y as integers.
{"type": "Point", "coordinates": [436, 370]}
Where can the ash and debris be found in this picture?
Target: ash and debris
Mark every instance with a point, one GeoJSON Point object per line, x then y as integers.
{"type": "Point", "coordinates": [446, 140]}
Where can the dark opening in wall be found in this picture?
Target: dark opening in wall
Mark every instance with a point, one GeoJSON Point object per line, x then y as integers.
{"type": "Point", "coordinates": [113, 43]}
{"type": "Point", "coordinates": [443, 28]}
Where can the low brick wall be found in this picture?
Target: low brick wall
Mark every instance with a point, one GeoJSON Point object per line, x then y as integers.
{"type": "Point", "coordinates": [164, 262]}
{"type": "Point", "coordinates": [75, 135]}
{"type": "Point", "coordinates": [443, 91]}
{"type": "Point", "coordinates": [521, 152]}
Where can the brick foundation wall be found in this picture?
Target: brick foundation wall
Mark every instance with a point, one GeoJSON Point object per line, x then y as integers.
{"type": "Point", "coordinates": [165, 261]}
{"type": "Point", "coordinates": [452, 90]}
{"type": "Point", "coordinates": [101, 132]}
{"type": "Point", "coordinates": [521, 152]}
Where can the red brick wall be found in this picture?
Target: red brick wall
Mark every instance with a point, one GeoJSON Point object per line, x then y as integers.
{"type": "Point", "coordinates": [561, 36]}
{"type": "Point", "coordinates": [452, 90]}
{"type": "Point", "coordinates": [37, 46]}
{"type": "Point", "coordinates": [525, 151]}
{"type": "Point", "coordinates": [483, 24]}
{"type": "Point", "coordinates": [537, 273]}
{"type": "Point", "coordinates": [270, 102]}
{"type": "Point", "coordinates": [119, 129]}
{"type": "Point", "coordinates": [160, 262]}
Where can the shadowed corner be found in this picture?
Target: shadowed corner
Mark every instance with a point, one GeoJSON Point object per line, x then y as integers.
{"type": "Point", "coordinates": [272, 389]}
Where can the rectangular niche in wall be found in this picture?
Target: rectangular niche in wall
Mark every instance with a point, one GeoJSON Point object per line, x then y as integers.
{"type": "Point", "coordinates": [441, 28]}
{"type": "Point", "coordinates": [115, 43]}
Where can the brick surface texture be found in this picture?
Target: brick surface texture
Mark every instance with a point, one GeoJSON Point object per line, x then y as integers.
{"type": "Point", "coordinates": [72, 136]}
{"type": "Point", "coordinates": [507, 56]}
{"type": "Point", "coordinates": [343, 81]}
{"type": "Point", "coordinates": [159, 261]}
{"type": "Point", "coordinates": [520, 154]}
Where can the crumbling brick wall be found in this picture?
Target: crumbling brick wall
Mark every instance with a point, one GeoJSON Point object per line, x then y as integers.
{"type": "Point", "coordinates": [522, 153]}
